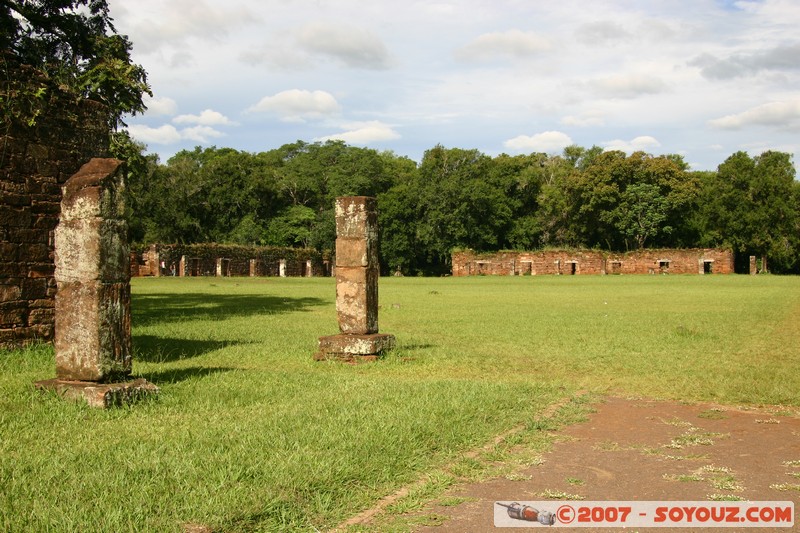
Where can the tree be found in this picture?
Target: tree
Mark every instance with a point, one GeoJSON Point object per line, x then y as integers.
{"type": "Point", "coordinates": [661, 192]}
{"type": "Point", "coordinates": [520, 178]}
{"type": "Point", "coordinates": [75, 44]}
{"type": "Point", "coordinates": [751, 206]}
{"type": "Point", "coordinates": [642, 213]}
{"type": "Point", "coordinates": [397, 217]}
{"type": "Point", "coordinates": [460, 204]}
{"type": "Point", "coordinates": [138, 184]}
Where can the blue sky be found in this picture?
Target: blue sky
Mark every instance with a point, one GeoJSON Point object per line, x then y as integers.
{"type": "Point", "coordinates": [700, 78]}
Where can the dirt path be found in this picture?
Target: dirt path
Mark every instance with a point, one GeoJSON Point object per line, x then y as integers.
{"type": "Point", "coordinates": [650, 450]}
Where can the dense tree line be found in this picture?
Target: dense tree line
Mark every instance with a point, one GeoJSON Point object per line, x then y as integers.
{"type": "Point", "coordinates": [456, 198]}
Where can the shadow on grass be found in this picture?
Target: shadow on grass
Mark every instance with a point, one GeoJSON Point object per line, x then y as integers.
{"type": "Point", "coordinates": [149, 309]}
{"type": "Point", "coordinates": [152, 349]}
{"type": "Point", "coordinates": [182, 374]}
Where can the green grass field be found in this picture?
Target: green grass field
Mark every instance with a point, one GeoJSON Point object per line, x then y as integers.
{"type": "Point", "coordinates": [250, 434]}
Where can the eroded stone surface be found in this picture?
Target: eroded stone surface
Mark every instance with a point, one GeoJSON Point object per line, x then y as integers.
{"type": "Point", "coordinates": [357, 299]}
{"type": "Point", "coordinates": [356, 217]}
{"type": "Point", "coordinates": [92, 304]}
{"type": "Point", "coordinates": [102, 395]}
{"type": "Point", "coordinates": [352, 252]}
{"type": "Point", "coordinates": [92, 249]}
{"type": "Point", "coordinates": [356, 344]}
{"type": "Point", "coordinates": [93, 331]}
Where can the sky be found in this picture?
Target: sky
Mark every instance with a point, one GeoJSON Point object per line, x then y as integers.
{"type": "Point", "coordinates": [699, 78]}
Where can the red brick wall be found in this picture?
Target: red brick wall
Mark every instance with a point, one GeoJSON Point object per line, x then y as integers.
{"type": "Point", "coordinates": [688, 261]}
{"type": "Point", "coordinates": [34, 162]}
{"type": "Point", "coordinates": [227, 260]}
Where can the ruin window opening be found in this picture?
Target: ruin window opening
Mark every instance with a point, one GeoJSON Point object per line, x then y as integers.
{"type": "Point", "coordinates": [616, 267]}
{"type": "Point", "coordinates": [708, 267]}
{"type": "Point", "coordinates": [573, 268]}
{"type": "Point", "coordinates": [663, 266]}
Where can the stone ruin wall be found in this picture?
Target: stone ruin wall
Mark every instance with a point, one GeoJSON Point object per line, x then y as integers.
{"type": "Point", "coordinates": [564, 262]}
{"type": "Point", "coordinates": [35, 161]}
{"type": "Point", "coordinates": [227, 260]}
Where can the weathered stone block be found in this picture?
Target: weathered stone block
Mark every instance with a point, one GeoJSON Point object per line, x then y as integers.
{"type": "Point", "coordinates": [92, 249]}
{"type": "Point", "coordinates": [355, 345]}
{"type": "Point", "coordinates": [356, 217]}
{"type": "Point", "coordinates": [16, 217]}
{"type": "Point", "coordinates": [9, 293]}
{"type": "Point", "coordinates": [356, 252]}
{"type": "Point", "coordinates": [10, 317]}
{"type": "Point", "coordinates": [34, 289]}
{"type": "Point", "coordinates": [101, 395]}
{"type": "Point", "coordinates": [357, 299]}
{"type": "Point", "coordinates": [7, 337]}
{"type": "Point", "coordinates": [95, 191]}
{"type": "Point", "coordinates": [12, 270]}
{"type": "Point", "coordinates": [36, 253]}
{"type": "Point", "coordinates": [8, 251]}
{"type": "Point", "coordinates": [93, 331]}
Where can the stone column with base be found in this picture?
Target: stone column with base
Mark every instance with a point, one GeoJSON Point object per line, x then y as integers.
{"type": "Point", "coordinates": [357, 273]}
{"type": "Point", "coordinates": [92, 304]}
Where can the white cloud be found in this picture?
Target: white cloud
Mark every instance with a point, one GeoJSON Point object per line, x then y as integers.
{"type": "Point", "coordinates": [585, 120]}
{"type": "Point", "coordinates": [207, 117]}
{"type": "Point", "coordinates": [297, 105]}
{"type": "Point", "coordinates": [363, 133]}
{"type": "Point", "coordinates": [783, 114]}
{"type": "Point", "coordinates": [351, 46]}
{"type": "Point", "coordinates": [201, 134]}
{"type": "Point", "coordinates": [512, 44]}
{"type": "Point", "coordinates": [627, 86]}
{"type": "Point", "coordinates": [303, 48]}
{"type": "Point", "coordinates": [548, 141]}
{"type": "Point", "coordinates": [160, 106]}
{"type": "Point", "coordinates": [599, 32]}
{"type": "Point", "coordinates": [778, 58]}
{"type": "Point", "coordinates": [166, 134]}
{"type": "Point", "coordinates": [642, 143]}
{"type": "Point", "coordinates": [174, 22]}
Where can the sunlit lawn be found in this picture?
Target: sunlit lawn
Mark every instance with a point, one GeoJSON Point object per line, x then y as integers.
{"type": "Point", "coordinates": [250, 434]}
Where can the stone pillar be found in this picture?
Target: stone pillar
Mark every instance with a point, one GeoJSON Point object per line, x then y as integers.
{"type": "Point", "coordinates": [282, 268]}
{"type": "Point", "coordinates": [218, 270]}
{"type": "Point", "coordinates": [309, 269]}
{"type": "Point", "coordinates": [182, 266]}
{"type": "Point", "coordinates": [155, 261]}
{"type": "Point", "coordinates": [92, 305]}
{"type": "Point", "coordinates": [252, 268]}
{"type": "Point", "coordinates": [357, 273]}
{"type": "Point", "coordinates": [753, 268]}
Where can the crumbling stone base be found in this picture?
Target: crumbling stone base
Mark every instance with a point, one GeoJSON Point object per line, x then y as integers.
{"type": "Point", "coordinates": [101, 395]}
{"type": "Point", "coordinates": [354, 348]}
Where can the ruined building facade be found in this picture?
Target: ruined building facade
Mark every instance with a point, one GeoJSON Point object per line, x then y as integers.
{"type": "Point", "coordinates": [38, 153]}
{"type": "Point", "coordinates": [573, 262]}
